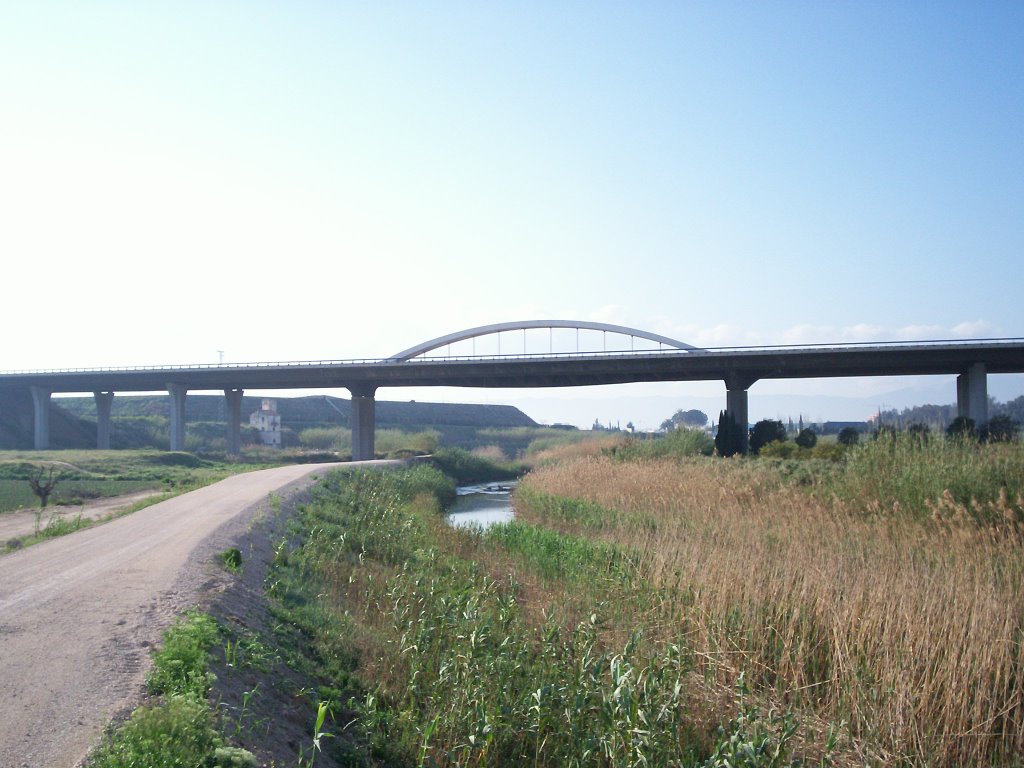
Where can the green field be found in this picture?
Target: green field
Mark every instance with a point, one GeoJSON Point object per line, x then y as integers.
{"type": "Point", "coordinates": [86, 475]}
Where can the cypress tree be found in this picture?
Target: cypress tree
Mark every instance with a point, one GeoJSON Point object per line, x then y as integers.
{"type": "Point", "coordinates": [727, 441]}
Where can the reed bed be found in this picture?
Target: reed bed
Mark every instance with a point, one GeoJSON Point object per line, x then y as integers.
{"type": "Point", "coordinates": [458, 648]}
{"type": "Point", "coordinates": [907, 626]}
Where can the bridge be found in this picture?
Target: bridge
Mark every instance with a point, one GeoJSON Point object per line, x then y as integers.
{"type": "Point", "coordinates": [648, 357]}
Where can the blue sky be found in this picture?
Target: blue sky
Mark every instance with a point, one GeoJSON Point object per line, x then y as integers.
{"type": "Point", "coordinates": [317, 180]}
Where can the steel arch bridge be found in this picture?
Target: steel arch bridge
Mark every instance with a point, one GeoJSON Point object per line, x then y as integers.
{"type": "Point", "coordinates": [738, 367]}
{"type": "Point", "coordinates": [525, 325]}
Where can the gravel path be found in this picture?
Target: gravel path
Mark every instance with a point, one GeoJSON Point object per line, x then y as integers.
{"type": "Point", "coordinates": [79, 614]}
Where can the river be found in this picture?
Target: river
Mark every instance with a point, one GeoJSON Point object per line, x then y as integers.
{"type": "Point", "coordinates": [482, 506]}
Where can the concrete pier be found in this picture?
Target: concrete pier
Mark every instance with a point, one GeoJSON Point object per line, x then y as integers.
{"type": "Point", "coordinates": [363, 421]}
{"type": "Point", "coordinates": [736, 387]}
{"type": "Point", "coordinates": [104, 400]}
{"type": "Point", "coordinates": [177, 394]}
{"type": "Point", "coordinates": [41, 417]}
{"type": "Point", "coordinates": [972, 395]}
{"type": "Point", "coordinates": [234, 400]}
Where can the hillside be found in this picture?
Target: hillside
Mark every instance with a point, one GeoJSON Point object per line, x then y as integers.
{"type": "Point", "coordinates": [72, 419]}
{"type": "Point", "coordinates": [16, 427]}
{"type": "Point", "coordinates": [315, 410]}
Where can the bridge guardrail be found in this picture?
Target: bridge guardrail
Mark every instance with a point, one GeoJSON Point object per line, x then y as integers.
{"type": "Point", "coordinates": [936, 343]}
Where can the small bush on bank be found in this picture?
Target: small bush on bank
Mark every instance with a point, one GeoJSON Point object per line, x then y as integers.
{"type": "Point", "coordinates": [807, 438]}
{"type": "Point", "coordinates": [848, 436]}
{"type": "Point", "coordinates": [764, 432]}
{"type": "Point", "coordinates": [180, 665]}
{"type": "Point", "coordinates": [677, 442]}
{"type": "Point", "coordinates": [779, 450]}
{"type": "Point", "coordinates": [178, 730]}
{"type": "Point", "coordinates": [173, 734]}
{"type": "Point", "coordinates": [465, 467]}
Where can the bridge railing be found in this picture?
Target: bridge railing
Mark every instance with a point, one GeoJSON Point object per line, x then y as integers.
{"type": "Point", "coordinates": [867, 345]}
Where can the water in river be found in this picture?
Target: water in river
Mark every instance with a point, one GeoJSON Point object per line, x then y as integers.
{"type": "Point", "coordinates": [482, 505]}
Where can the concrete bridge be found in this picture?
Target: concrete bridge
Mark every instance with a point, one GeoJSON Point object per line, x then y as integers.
{"type": "Point", "coordinates": [659, 359]}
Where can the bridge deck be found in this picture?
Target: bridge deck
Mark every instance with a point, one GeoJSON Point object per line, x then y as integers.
{"type": "Point", "coordinates": [518, 371]}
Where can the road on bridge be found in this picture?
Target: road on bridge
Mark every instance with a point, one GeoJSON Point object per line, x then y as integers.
{"type": "Point", "coordinates": [80, 614]}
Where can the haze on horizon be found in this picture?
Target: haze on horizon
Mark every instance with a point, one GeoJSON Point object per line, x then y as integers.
{"type": "Point", "coordinates": [337, 180]}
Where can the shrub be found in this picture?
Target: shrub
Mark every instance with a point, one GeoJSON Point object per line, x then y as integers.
{"type": "Point", "coordinates": [232, 559]}
{"type": "Point", "coordinates": [807, 438]}
{"type": "Point", "coordinates": [180, 666]}
{"type": "Point", "coordinates": [962, 427]}
{"type": "Point", "coordinates": [173, 734]}
{"type": "Point", "coordinates": [779, 450]}
{"type": "Point", "coordinates": [465, 467]}
{"type": "Point", "coordinates": [848, 436]}
{"type": "Point", "coordinates": [766, 431]}
{"type": "Point", "coordinates": [1001, 429]}
{"type": "Point", "coordinates": [919, 432]}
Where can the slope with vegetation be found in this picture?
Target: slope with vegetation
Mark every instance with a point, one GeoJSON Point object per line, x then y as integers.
{"type": "Point", "coordinates": [881, 590]}
{"type": "Point", "coordinates": [655, 605]}
{"type": "Point", "coordinates": [142, 421]}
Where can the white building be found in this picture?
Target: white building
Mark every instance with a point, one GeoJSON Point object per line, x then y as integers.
{"type": "Point", "coordinates": [267, 422]}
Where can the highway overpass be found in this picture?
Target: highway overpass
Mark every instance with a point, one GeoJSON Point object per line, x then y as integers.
{"type": "Point", "coordinates": [421, 366]}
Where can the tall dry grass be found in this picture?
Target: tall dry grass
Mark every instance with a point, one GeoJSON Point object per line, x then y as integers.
{"type": "Point", "coordinates": [572, 445]}
{"type": "Point", "coordinates": [909, 630]}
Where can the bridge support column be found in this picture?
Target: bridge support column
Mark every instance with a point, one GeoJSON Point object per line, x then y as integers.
{"type": "Point", "coordinates": [363, 420]}
{"type": "Point", "coordinates": [41, 417]}
{"type": "Point", "coordinates": [972, 395]}
{"type": "Point", "coordinates": [177, 394]}
{"type": "Point", "coordinates": [736, 404]}
{"type": "Point", "coordinates": [234, 399]}
{"type": "Point", "coordinates": [104, 400]}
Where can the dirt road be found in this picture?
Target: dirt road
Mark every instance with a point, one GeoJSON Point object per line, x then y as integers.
{"type": "Point", "coordinates": [78, 614]}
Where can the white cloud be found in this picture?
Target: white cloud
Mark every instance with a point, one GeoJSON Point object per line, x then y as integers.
{"type": "Point", "coordinates": [974, 329]}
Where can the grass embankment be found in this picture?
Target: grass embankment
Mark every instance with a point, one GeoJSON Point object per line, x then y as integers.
{"type": "Point", "coordinates": [86, 476]}
{"type": "Point", "coordinates": [884, 592]}
{"type": "Point", "coordinates": [468, 467]}
{"type": "Point", "coordinates": [177, 729]}
{"type": "Point", "coordinates": [388, 443]}
{"type": "Point", "coordinates": [524, 645]}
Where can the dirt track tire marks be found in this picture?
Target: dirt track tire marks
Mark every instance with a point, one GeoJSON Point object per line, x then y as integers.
{"type": "Point", "coordinates": [79, 614]}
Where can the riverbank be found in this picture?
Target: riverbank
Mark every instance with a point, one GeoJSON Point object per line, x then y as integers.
{"type": "Point", "coordinates": [464, 648]}
{"type": "Point", "coordinates": [683, 611]}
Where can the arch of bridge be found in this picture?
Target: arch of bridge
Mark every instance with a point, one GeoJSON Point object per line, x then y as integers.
{"type": "Point", "coordinates": [487, 330]}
